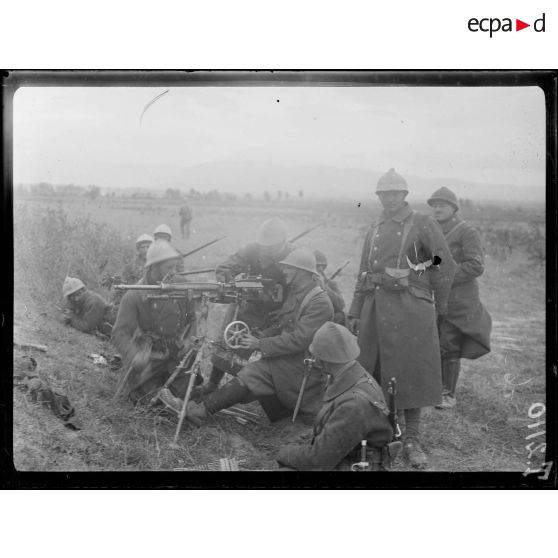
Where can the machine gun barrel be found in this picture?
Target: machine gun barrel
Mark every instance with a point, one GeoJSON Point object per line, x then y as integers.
{"type": "Point", "coordinates": [205, 286]}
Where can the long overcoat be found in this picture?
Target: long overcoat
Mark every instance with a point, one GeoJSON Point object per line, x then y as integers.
{"type": "Point", "coordinates": [156, 323]}
{"type": "Point", "coordinates": [354, 409]}
{"type": "Point", "coordinates": [398, 333]}
{"type": "Point", "coordinates": [465, 310]}
{"type": "Point", "coordinates": [91, 313]}
{"type": "Point", "coordinates": [283, 347]}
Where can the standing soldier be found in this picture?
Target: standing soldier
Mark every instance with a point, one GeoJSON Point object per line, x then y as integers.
{"type": "Point", "coordinates": [403, 283]}
{"type": "Point", "coordinates": [257, 258]}
{"type": "Point", "coordinates": [354, 409]}
{"type": "Point", "coordinates": [148, 333]}
{"type": "Point", "coordinates": [185, 213]}
{"type": "Point", "coordinates": [465, 330]}
{"type": "Point", "coordinates": [87, 311]}
{"type": "Point", "coordinates": [331, 288]}
{"type": "Point", "coordinates": [275, 380]}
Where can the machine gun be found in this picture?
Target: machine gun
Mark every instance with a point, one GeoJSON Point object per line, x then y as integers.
{"type": "Point", "coordinates": [246, 288]}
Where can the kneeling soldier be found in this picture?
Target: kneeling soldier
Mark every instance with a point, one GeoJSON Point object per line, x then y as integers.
{"type": "Point", "coordinates": [148, 332]}
{"type": "Point", "coordinates": [275, 380]}
{"type": "Point", "coordinates": [87, 311]}
{"type": "Point", "coordinates": [353, 410]}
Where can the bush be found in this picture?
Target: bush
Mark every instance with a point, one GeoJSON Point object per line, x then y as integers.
{"type": "Point", "coordinates": [49, 245]}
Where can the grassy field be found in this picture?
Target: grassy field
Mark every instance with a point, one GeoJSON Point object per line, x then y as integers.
{"type": "Point", "coordinates": [486, 432]}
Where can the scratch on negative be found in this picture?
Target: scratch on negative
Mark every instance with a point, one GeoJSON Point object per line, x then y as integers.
{"type": "Point", "coordinates": [151, 102]}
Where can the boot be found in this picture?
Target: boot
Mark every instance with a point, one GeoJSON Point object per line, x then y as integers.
{"type": "Point", "coordinates": [450, 375]}
{"type": "Point", "coordinates": [212, 385]}
{"type": "Point", "coordinates": [227, 396]}
{"type": "Point", "coordinates": [414, 453]}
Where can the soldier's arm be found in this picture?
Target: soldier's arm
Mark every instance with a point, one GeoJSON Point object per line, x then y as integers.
{"type": "Point", "coordinates": [358, 296]}
{"type": "Point", "coordinates": [235, 264]}
{"type": "Point", "coordinates": [345, 428]}
{"type": "Point", "coordinates": [440, 276]}
{"type": "Point", "coordinates": [317, 312]}
{"type": "Point", "coordinates": [95, 309]}
{"type": "Point", "coordinates": [125, 326]}
{"type": "Point", "coordinates": [473, 260]}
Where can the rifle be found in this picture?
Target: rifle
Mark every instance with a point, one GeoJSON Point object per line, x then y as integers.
{"type": "Point", "coordinates": [308, 364]}
{"type": "Point", "coordinates": [304, 233]}
{"type": "Point", "coordinates": [201, 247]}
{"type": "Point", "coordinates": [197, 271]}
{"type": "Point", "coordinates": [340, 270]}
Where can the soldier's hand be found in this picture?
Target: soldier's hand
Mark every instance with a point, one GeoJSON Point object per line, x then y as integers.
{"type": "Point", "coordinates": [140, 360]}
{"type": "Point", "coordinates": [250, 342]}
{"type": "Point", "coordinates": [353, 325]}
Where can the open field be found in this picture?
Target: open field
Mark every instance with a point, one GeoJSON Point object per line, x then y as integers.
{"type": "Point", "coordinates": [486, 432]}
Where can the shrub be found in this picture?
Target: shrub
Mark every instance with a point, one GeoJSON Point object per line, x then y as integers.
{"type": "Point", "coordinates": [49, 245]}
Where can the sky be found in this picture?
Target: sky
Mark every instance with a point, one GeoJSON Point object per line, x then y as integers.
{"type": "Point", "coordinates": [95, 136]}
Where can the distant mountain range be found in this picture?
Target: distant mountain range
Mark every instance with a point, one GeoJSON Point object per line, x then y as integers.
{"type": "Point", "coordinates": [255, 177]}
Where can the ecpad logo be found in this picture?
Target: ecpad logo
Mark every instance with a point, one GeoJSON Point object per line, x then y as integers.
{"type": "Point", "coordinates": [493, 25]}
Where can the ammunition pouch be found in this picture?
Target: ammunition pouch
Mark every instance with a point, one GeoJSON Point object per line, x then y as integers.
{"type": "Point", "coordinates": [395, 279]}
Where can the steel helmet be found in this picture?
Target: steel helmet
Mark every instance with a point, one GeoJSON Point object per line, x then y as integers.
{"type": "Point", "coordinates": [144, 238]}
{"type": "Point", "coordinates": [160, 252]}
{"type": "Point", "coordinates": [446, 195]}
{"type": "Point", "coordinates": [301, 258]}
{"type": "Point", "coordinates": [321, 258]}
{"type": "Point", "coordinates": [334, 343]}
{"type": "Point", "coordinates": [71, 285]}
{"type": "Point", "coordinates": [163, 229]}
{"type": "Point", "coordinates": [272, 232]}
{"type": "Point", "coordinates": [391, 181]}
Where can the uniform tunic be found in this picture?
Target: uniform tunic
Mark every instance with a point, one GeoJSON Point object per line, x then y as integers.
{"type": "Point", "coordinates": [159, 323]}
{"type": "Point", "coordinates": [398, 333]}
{"type": "Point", "coordinates": [337, 300]}
{"type": "Point", "coordinates": [91, 313]}
{"type": "Point", "coordinates": [281, 369]}
{"type": "Point", "coordinates": [250, 260]}
{"type": "Point", "coordinates": [465, 332]}
{"type": "Point", "coordinates": [353, 410]}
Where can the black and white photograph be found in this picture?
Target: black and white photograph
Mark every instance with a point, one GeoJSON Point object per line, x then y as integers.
{"type": "Point", "coordinates": [279, 272]}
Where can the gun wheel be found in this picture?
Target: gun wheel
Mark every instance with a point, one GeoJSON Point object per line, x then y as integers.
{"type": "Point", "coordinates": [234, 332]}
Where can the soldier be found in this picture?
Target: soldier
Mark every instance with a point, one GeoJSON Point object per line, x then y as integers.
{"type": "Point", "coordinates": [258, 258]}
{"type": "Point", "coordinates": [163, 232]}
{"type": "Point", "coordinates": [185, 213]}
{"type": "Point", "coordinates": [275, 379]}
{"type": "Point", "coordinates": [87, 311]}
{"type": "Point", "coordinates": [148, 333]}
{"type": "Point", "coordinates": [133, 272]}
{"type": "Point", "coordinates": [354, 409]}
{"type": "Point", "coordinates": [465, 330]}
{"type": "Point", "coordinates": [398, 294]}
{"type": "Point", "coordinates": [331, 288]}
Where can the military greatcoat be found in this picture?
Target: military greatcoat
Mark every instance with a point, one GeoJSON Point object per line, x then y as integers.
{"type": "Point", "coordinates": [154, 323]}
{"type": "Point", "coordinates": [465, 331]}
{"type": "Point", "coordinates": [283, 347]}
{"type": "Point", "coordinates": [398, 333]}
{"type": "Point", "coordinates": [353, 410]}
{"type": "Point", "coordinates": [91, 313]}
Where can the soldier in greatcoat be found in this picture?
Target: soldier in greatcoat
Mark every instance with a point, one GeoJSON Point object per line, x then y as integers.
{"type": "Point", "coordinates": [185, 213]}
{"type": "Point", "coordinates": [403, 284]}
{"type": "Point", "coordinates": [257, 258]}
{"type": "Point", "coordinates": [149, 333]}
{"type": "Point", "coordinates": [276, 378]}
{"type": "Point", "coordinates": [163, 233]}
{"type": "Point", "coordinates": [331, 288]}
{"type": "Point", "coordinates": [87, 311]}
{"type": "Point", "coordinates": [134, 271]}
{"type": "Point", "coordinates": [353, 409]}
{"type": "Point", "coordinates": [465, 329]}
